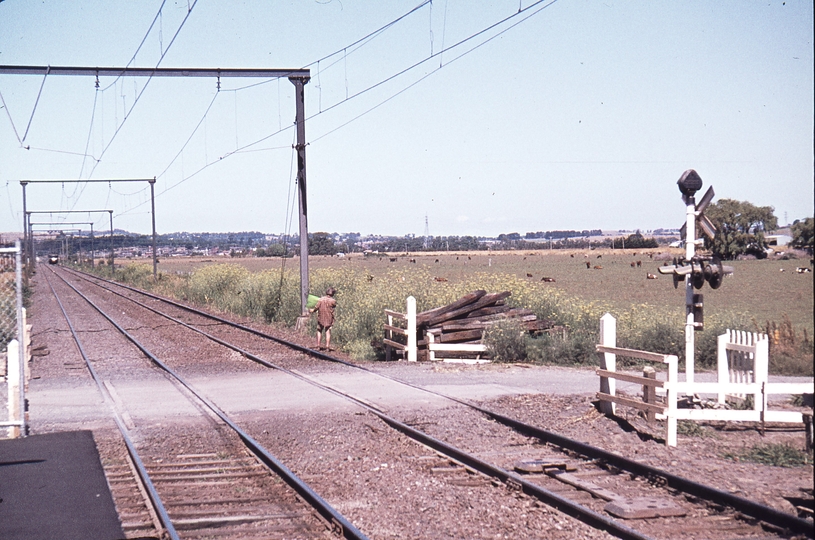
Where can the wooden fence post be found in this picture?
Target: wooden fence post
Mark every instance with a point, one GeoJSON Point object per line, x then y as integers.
{"type": "Point", "coordinates": [412, 349]}
{"type": "Point", "coordinates": [649, 393]}
{"type": "Point", "coordinates": [761, 366]}
{"type": "Point", "coordinates": [721, 363]}
{"type": "Point", "coordinates": [13, 379]}
{"type": "Point", "coordinates": [608, 361]}
{"type": "Point", "coordinates": [388, 348]}
{"type": "Point", "coordinates": [670, 400]}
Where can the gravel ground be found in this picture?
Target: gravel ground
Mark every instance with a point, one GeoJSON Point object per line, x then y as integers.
{"type": "Point", "coordinates": [388, 485]}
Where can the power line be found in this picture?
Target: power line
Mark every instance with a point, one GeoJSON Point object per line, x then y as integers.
{"type": "Point", "coordinates": [360, 42]}
{"type": "Point", "coordinates": [133, 58]}
{"type": "Point", "coordinates": [364, 39]}
{"type": "Point", "coordinates": [540, 5]}
{"type": "Point", "coordinates": [36, 102]}
{"type": "Point", "coordinates": [194, 131]}
{"type": "Point", "coordinates": [138, 97]}
{"type": "Point", "coordinates": [13, 127]}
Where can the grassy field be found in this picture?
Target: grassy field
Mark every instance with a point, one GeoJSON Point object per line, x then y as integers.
{"type": "Point", "coordinates": [582, 285]}
{"type": "Point", "coordinates": [757, 290]}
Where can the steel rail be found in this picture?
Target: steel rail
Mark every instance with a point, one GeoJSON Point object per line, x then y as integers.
{"type": "Point", "coordinates": [751, 508]}
{"type": "Point", "coordinates": [152, 493]}
{"type": "Point", "coordinates": [347, 529]}
{"type": "Point", "coordinates": [578, 511]}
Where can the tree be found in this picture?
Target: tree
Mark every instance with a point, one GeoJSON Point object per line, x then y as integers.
{"type": "Point", "coordinates": [740, 228]}
{"type": "Point", "coordinates": [321, 243]}
{"type": "Point", "coordinates": [802, 233]}
{"type": "Point", "coordinates": [276, 250]}
{"type": "Point", "coordinates": [638, 241]}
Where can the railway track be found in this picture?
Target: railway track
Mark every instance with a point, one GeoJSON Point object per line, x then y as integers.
{"type": "Point", "coordinates": [597, 487]}
{"type": "Point", "coordinates": [231, 486]}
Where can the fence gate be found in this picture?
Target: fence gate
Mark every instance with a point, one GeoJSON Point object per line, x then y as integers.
{"type": "Point", "coordinates": [12, 363]}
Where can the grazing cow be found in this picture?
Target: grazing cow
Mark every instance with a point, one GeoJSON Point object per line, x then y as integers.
{"type": "Point", "coordinates": [650, 276]}
{"type": "Point", "coordinates": [440, 279]}
{"type": "Point", "coordinates": [437, 260]}
{"type": "Point", "coordinates": [633, 264]}
{"type": "Point", "coordinates": [599, 256]}
{"type": "Point", "coordinates": [571, 255]}
{"type": "Point", "coordinates": [588, 265]}
{"type": "Point", "coordinates": [548, 279]}
{"type": "Point", "coordinates": [639, 263]}
{"type": "Point", "coordinates": [413, 261]}
{"type": "Point", "coordinates": [803, 270]}
{"type": "Point", "coordinates": [598, 267]}
{"type": "Point", "coordinates": [394, 259]}
{"type": "Point", "coordinates": [780, 269]}
{"type": "Point", "coordinates": [528, 274]}
{"type": "Point", "coordinates": [469, 258]}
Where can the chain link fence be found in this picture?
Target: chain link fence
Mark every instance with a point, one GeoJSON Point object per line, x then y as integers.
{"type": "Point", "coordinates": [8, 297]}
{"type": "Point", "coordinates": [11, 298]}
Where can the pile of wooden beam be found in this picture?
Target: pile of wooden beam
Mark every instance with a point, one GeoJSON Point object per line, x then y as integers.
{"type": "Point", "coordinates": [465, 320]}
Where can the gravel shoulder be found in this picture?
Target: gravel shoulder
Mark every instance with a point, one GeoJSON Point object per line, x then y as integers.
{"type": "Point", "coordinates": [381, 481]}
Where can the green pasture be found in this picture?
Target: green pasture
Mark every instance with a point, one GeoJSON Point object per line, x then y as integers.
{"type": "Point", "coordinates": [758, 290]}
{"type": "Point", "coordinates": [759, 296]}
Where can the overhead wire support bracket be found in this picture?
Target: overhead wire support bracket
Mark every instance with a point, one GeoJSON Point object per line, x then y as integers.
{"type": "Point", "coordinates": [156, 72]}
{"type": "Point", "coordinates": [298, 77]}
{"type": "Point", "coordinates": [29, 244]}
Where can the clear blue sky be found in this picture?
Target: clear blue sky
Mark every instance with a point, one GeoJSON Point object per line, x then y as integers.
{"type": "Point", "coordinates": [583, 116]}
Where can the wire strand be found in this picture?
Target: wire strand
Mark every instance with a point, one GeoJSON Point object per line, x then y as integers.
{"type": "Point", "coordinates": [13, 127]}
{"type": "Point", "coordinates": [133, 58]}
{"type": "Point", "coordinates": [36, 102]}
{"type": "Point", "coordinates": [146, 84]}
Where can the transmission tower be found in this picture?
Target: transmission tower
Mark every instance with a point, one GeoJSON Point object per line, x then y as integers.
{"type": "Point", "coordinates": [426, 233]}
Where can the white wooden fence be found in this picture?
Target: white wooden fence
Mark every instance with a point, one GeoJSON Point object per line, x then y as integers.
{"type": "Point", "coordinates": [404, 324]}
{"type": "Point", "coordinates": [743, 357]}
{"type": "Point", "coordinates": [742, 370]}
{"type": "Point", "coordinates": [608, 376]}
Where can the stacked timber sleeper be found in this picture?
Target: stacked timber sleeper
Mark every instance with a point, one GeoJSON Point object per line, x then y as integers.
{"type": "Point", "coordinates": [466, 319]}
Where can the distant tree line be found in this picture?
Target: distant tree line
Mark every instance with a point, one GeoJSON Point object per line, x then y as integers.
{"type": "Point", "coordinates": [557, 235]}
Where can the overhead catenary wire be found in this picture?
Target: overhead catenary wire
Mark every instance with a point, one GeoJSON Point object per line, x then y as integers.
{"type": "Point", "coordinates": [97, 160]}
{"type": "Point", "coordinates": [90, 131]}
{"type": "Point", "coordinates": [144, 39]}
{"type": "Point", "coordinates": [141, 92]}
{"type": "Point", "coordinates": [10, 119]}
{"type": "Point", "coordinates": [36, 102]}
{"type": "Point", "coordinates": [541, 4]}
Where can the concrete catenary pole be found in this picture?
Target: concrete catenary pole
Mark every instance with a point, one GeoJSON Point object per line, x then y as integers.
{"type": "Point", "coordinates": [153, 216]}
{"type": "Point", "coordinates": [299, 85]}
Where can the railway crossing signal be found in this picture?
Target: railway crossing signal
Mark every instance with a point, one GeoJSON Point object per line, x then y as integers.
{"type": "Point", "coordinates": [695, 269]}
{"type": "Point", "coordinates": [700, 268]}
